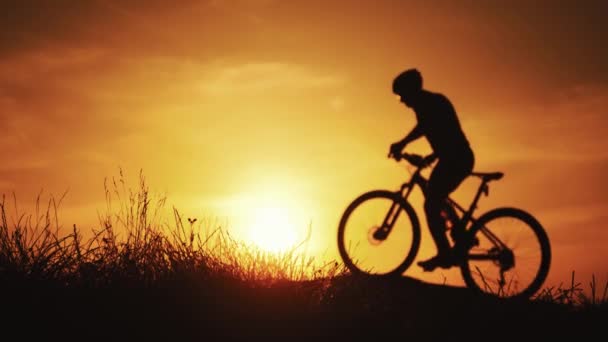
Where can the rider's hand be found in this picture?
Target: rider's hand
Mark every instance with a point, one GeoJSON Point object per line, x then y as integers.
{"type": "Point", "coordinates": [428, 160]}
{"type": "Point", "coordinates": [416, 160]}
{"type": "Point", "coordinates": [395, 150]}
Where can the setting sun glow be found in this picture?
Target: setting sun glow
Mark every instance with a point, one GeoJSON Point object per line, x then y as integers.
{"type": "Point", "coordinates": [273, 229]}
{"type": "Point", "coordinates": [274, 213]}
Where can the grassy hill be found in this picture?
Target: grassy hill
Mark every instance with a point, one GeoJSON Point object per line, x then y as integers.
{"type": "Point", "coordinates": [198, 307]}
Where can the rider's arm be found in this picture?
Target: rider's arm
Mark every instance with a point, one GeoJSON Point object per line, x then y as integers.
{"type": "Point", "coordinates": [396, 148]}
{"type": "Point", "coordinates": [414, 134]}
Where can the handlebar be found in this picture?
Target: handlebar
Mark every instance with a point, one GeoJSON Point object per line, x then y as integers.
{"type": "Point", "coordinates": [415, 159]}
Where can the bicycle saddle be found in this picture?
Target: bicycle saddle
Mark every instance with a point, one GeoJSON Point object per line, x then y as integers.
{"type": "Point", "coordinates": [488, 176]}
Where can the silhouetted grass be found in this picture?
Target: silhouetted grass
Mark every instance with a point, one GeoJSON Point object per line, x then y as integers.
{"type": "Point", "coordinates": [134, 245]}
{"type": "Point", "coordinates": [192, 278]}
{"type": "Point", "coordinates": [574, 295]}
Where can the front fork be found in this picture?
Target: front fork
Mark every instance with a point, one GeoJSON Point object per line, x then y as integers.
{"type": "Point", "coordinates": [381, 233]}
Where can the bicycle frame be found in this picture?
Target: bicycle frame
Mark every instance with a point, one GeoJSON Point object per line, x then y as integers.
{"type": "Point", "coordinates": [467, 214]}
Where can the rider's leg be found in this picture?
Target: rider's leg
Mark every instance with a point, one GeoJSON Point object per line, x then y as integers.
{"type": "Point", "coordinates": [444, 179]}
{"type": "Point", "coordinates": [432, 208]}
{"type": "Point", "coordinates": [441, 184]}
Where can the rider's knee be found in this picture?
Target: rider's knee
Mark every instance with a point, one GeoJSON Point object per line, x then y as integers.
{"type": "Point", "coordinates": [432, 205]}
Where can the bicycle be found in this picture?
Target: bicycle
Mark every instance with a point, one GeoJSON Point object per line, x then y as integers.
{"type": "Point", "coordinates": [489, 263]}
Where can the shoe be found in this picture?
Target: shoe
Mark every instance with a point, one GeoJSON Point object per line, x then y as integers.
{"type": "Point", "coordinates": [440, 260]}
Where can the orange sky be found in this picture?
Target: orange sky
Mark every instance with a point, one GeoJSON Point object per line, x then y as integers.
{"type": "Point", "coordinates": [227, 105]}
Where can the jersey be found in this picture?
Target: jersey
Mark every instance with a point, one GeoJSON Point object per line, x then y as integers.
{"type": "Point", "coordinates": [439, 123]}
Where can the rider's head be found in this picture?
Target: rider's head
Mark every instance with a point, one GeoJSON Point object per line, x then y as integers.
{"type": "Point", "coordinates": [407, 85]}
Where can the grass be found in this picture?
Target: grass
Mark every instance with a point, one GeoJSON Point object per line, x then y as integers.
{"type": "Point", "coordinates": [193, 279]}
{"type": "Point", "coordinates": [135, 245]}
{"type": "Point", "coordinates": [573, 294]}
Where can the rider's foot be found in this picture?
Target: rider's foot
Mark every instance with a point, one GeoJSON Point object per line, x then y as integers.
{"type": "Point", "coordinates": [443, 260]}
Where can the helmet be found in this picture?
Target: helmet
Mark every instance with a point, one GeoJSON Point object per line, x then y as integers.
{"type": "Point", "coordinates": [408, 81]}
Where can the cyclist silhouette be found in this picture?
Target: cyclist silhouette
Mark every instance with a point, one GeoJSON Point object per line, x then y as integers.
{"type": "Point", "coordinates": [438, 122]}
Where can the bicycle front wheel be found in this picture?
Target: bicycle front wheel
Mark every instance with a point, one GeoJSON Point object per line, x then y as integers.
{"type": "Point", "coordinates": [512, 257]}
{"type": "Point", "coordinates": [367, 245]}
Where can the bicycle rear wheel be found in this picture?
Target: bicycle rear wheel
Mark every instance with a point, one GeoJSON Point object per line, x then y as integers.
{"type": "Point", "coordinates": [513, 256]}
{"type": "Point", "coordinates": [360, 247]}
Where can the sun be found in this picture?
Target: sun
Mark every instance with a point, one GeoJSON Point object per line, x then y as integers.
{"type": "Point", "coordinates": [275, 213]}
{"type": "Point", "coordinates": [273, 228]}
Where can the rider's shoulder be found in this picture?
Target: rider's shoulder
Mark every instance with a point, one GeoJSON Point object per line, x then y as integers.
{"type": "Point", "coordinates": [437, 99]}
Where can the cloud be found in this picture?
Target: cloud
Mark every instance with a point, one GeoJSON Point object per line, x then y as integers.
{"type": "Point", "coordinates": [260, 77]}
{"type": "Point", "coordinates": [571, 126]}
{"type": "Point", "coordinates": [49, 110]}
{"type": "Point", "coordinates": [35, 24]}
{"type": "Point", "coordinates": [577, 214]}
{"type": "Point", "coordinates": [38, 68]}
{"type": "Point", "coordinates": [240, 3]}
